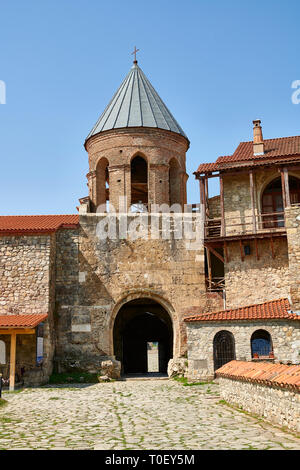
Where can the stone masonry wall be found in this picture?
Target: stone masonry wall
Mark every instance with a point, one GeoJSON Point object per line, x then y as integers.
{"type": "Point", "coordinates": [95, 277]}
{"type": "Point", "coordinates": [277, 405]}
{"type": "Point", "coordinates": [255, 280]}
{"type": "Point", "coordinates": [27, 286]}
{"type": "Point", "coordinates": [200, 335]}
{"type": "Point", "coordinates": [292, 219]}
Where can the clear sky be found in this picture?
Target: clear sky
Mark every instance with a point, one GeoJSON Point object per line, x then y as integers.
{"type": "Point", "coordinates": [216, 64]}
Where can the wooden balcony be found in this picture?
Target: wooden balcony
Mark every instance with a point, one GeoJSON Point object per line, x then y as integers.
{"type": "Point", "coordinates": [244, 225]}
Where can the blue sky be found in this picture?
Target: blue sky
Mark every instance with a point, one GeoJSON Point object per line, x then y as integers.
{"type": "Point", "coordinates": [216, 64]}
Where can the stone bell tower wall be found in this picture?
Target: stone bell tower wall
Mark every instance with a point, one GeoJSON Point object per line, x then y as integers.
{"type": "Point", "coordinates": [118, 147]}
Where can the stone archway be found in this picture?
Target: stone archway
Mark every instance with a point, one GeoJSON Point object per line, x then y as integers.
{"type": "Point", "coordinates": [139, 322]}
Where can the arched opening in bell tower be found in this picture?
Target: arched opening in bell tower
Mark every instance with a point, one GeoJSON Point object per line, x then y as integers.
{"type": "Point", "coordinates": [143, 325]}
{"type": "Point", "coordinates": [139, 184]}
{"type": "Point", "coordinates": [102, 185]}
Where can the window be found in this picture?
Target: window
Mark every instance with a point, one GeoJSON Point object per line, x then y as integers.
{"type": "Point", "coordinates": [261, 344]}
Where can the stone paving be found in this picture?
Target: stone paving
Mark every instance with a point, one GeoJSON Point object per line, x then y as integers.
{"type": "Point", "coordinates": [156, 414]}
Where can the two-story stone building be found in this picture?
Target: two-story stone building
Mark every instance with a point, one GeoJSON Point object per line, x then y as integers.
{"type": "Point", "coordinates": [252, 255]}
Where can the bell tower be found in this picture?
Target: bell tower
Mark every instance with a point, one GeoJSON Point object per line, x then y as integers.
{"type": "Point", "coordinates": [137, 152]}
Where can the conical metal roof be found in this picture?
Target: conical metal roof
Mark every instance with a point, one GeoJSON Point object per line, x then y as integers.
{"type": "Point", "coordinates": [136, 104]}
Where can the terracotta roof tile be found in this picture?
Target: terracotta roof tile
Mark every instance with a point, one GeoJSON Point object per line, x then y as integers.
{"type": "Point", "coordinates": [280, 375]}
{"type": "Point", "coordinates": [36, 223]}
{"type": "Point", "coordinates": [275, 309]}
{"type": "Point", "coordinates": [22, 321]}
{"type": "Point", "coordinates": [283, 149]}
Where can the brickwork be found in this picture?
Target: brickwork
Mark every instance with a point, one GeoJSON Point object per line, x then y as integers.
{"type": "Point", "coordinates": [157, 146]}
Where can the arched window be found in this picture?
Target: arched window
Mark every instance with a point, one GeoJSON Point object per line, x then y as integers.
{"type": "Point", "coordinates": [174, 182]}
{"type": "Point", "coordinates": [272, 202]}
{"type": "Point", "coordinates": [139, 185]}
{"type": "Point", "coordinates": [102, 185]}
{"type": "Point", "coordinates": [261, 344]}
{"type": "Point", "coordinates": [2, 353]}
{"type": "Point", "coordinates": [224, 348]}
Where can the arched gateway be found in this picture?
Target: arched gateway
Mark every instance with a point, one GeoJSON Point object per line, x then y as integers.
{"type": "Point", "coordinates": [138, 323]}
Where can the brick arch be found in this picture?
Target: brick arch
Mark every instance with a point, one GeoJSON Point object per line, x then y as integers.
{"type": "Point", "coordinates": [102, 178]}
{"type": "Point", "coordinates": [146, 294]}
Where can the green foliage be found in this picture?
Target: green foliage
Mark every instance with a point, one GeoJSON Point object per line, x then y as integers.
{"type": "Point", "coordinates": [185, 383]}
{"type": "Point", "coordinates": [73, 377]}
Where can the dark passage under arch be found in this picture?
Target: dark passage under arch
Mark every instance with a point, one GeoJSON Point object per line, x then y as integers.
{"type": "Point", "coordinates": [139, 322]}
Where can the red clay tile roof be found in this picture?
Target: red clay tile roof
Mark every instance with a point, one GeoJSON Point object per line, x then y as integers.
{"type": "Point", "coordinates": [36, 223]}
{"type": "Point", "coordinates": [22, 321]}
{"type": "Point", "coordinates": [265, 373]}
{"type": "Point", "coordinates": [284, 149]}
{"type": "Point", "coordinates": [276, 309]}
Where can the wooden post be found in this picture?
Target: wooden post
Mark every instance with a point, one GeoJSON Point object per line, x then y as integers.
{"type": "Point", "coordinates": [252, 193]}
{"type": "Point", "coordinates": [283, 187]}
{"type": "Point", "coordinates": [206, 195]}
{"type": "Point", "coordinates": [286, 187]}
{"type": "Point", "coordinates": [12, 369]}
{"type": "Point", "coordinates": [226, 252]}
{"type": "Point", "coordinates": [223, 229]}
{"type": "Point", "coordinates": [208, 267]}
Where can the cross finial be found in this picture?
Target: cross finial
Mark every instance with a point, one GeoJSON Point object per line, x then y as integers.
{"type": "Point", "coordinates": [134, 52]}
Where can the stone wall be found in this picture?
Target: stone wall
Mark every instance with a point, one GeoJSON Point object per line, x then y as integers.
{"type": "Point", "coordinates": [96, 277]}
{"type": "Point", "coordinates": [25, 274]}
{"type": "Point", "coordinates": [200, 335]}
{"type": "Point", "coordinates": [252, 280]}
{"type": "Point", "coordinates": [27, 269]}
{"type": "Point", "coordinates": [292, 220]}
{"type": "Point", "coordinates": [277, 405]}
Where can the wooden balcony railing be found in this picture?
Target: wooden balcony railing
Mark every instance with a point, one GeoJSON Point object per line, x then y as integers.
{"type": "Point", "coordinates": [240, 225]}
{"type": "Point", "coordinates": [216, 284]}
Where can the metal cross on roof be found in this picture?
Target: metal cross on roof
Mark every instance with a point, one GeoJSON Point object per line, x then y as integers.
{"type": "Point", "coordinates": [134, 52]}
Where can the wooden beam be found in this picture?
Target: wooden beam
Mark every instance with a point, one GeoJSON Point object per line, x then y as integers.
{"type": "Point", "coordinates": [226, 252]}
{"type": "Point", "coordinates": [214, 252]}
{"type": "Point", "coordinates": [286, 186]}
{"type": "Point", "coordinates": [208, 265]}
{"type": "Point", "coordinates": [252, 193]}
{"type": "Point", "coordinates": [15, 331]}
{"type": "Point", "coordinates": [206, 196]}
{"type": "Point", "coordinates": [283, 188]}
{"type": "Point", "coordinates": [202, 195]}
{"type": "Point", "coordinates": [12, 368]}
{"type": "Point", "coordinates": [223, 228]}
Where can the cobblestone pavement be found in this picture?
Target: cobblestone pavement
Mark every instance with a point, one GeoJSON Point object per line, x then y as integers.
{"type": "Point", "coordinates": [132, 415]}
